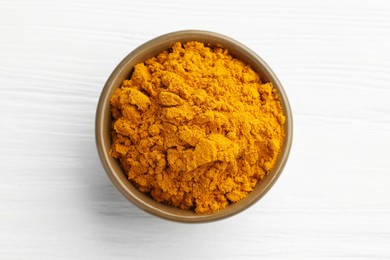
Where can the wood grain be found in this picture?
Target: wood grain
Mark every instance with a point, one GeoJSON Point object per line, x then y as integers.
{"type": "Point", "coordinates": [332, 200]}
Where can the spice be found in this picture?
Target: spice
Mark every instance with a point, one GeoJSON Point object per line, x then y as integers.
{"type": "Point", "coordinates": [196, 128]}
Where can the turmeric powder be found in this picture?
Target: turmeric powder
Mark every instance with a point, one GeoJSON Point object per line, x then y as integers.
{"type": "Point", "coordinates": [196, 128]}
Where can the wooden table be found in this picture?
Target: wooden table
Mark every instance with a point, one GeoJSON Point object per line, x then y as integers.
{"type": "Point", "coordinates": [332, 200]}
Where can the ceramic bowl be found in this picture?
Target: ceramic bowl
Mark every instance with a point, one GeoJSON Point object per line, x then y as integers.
{"type": "Point", "coordinates": [104, 128]}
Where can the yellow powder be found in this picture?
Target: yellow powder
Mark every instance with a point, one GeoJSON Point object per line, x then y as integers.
{"type": "Point", "coordinates": [196, 128]}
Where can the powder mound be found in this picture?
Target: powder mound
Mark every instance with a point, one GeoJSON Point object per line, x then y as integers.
{"type": "Point", "coordinates": [196, 128]}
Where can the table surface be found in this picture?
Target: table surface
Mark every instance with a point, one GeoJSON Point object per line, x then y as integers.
{"type": "Point", "coordinates": [332, 200]}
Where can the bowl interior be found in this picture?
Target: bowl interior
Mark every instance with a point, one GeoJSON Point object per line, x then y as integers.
{"type": "Point", "coordinates": [124, 70]}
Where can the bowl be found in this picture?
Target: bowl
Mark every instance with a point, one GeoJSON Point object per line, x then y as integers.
{"type": "Point", "coordinates": [104, 128]}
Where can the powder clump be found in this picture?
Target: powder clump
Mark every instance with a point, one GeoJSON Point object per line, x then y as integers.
{"type": "Point", "coordinates": [196, 128]}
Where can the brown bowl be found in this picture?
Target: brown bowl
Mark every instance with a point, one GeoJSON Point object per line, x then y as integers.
{"type": "Point", "coordinates": [103, 124]}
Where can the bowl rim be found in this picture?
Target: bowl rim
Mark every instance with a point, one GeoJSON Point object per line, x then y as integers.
{"type": "Point", "coordinates": [103, 102]}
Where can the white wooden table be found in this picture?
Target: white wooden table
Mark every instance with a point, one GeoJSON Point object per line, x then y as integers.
{"type": "Point", "coordinates": [332, 200]}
